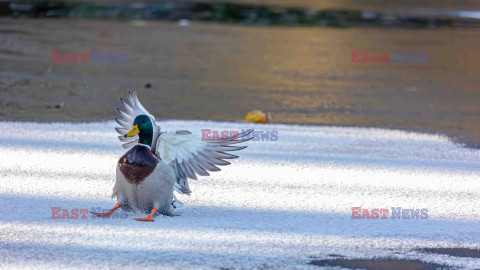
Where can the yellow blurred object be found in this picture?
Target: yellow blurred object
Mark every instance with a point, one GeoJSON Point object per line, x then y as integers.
{"type": "Point", "coordinates": [258, 117]}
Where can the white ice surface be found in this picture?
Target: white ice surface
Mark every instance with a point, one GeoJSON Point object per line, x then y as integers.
{"type": "Point", "coordinates": [280, 205]}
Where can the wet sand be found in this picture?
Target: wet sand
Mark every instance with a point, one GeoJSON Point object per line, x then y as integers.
{"type": "Point", "coordinates": [394, 263]}
{"type": "Point", "coordinates": [380, 264]}
{"type": "Point", "coordinates": [221, 71]}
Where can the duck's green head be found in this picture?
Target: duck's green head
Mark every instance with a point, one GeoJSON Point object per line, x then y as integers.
{"type": "Point", "coordinates": [142, 125]}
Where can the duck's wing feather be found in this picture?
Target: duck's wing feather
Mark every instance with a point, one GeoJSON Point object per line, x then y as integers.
{"type": "Point", "coordinates": [190, 156]}
{"type": "Point", "coordinates": [131, 110]}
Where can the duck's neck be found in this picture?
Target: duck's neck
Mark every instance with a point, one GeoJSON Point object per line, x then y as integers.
{"type": "Point", "coordinates": [145, 138]}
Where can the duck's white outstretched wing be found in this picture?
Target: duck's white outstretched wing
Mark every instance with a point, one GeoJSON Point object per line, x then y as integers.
{"type": "Point", "coordinates": [133, 108]}
{"type": "Point", "coordinates": [190, 156]}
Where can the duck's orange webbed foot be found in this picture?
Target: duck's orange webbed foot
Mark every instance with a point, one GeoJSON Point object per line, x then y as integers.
{"type": "Point", "coordinates": [149, 217]}
{"type": "Point", "coordinates": [107, 214]}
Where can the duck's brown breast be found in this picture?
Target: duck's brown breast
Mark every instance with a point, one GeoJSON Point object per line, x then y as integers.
{"type": "Point", "coordinates": [137, 164]}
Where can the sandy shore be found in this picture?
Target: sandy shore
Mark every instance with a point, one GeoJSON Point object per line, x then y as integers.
{"type": "Point", "coordinates": [220, 72]}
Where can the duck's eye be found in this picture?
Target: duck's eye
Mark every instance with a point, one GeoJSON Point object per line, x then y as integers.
{"type": "Point", "coordinates": [144, 121]}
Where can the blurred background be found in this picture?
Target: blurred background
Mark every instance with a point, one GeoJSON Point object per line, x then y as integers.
{"type": "Point", "coordinates": [221, 59]}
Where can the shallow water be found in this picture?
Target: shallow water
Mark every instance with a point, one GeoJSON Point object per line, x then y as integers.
{"type": "Point", "coordinates": [222, 71]}
{"type": "Point", "coordinates": [369, 4]}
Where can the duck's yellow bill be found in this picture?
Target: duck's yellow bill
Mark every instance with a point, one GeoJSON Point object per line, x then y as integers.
{"type": "Point", "coordinates": [134, 131]}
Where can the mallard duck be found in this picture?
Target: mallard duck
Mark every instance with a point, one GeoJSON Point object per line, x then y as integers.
{"type": "Point", "coordinates": [157, 163]}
